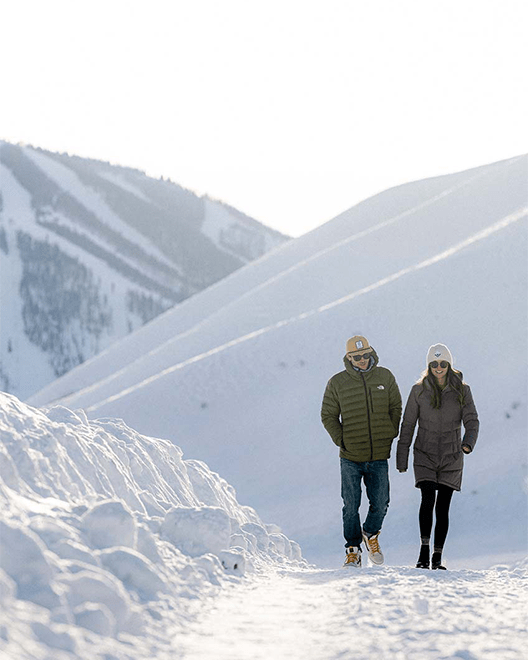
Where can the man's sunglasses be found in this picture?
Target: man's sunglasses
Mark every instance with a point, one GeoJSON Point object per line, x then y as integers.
{"type": "Point", "coordinates": [434, 365]}
{"type": "Point", "coordinates": [358, 358]}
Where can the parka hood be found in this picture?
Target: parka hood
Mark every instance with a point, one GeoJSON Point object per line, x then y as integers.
{"type": "Point", "coordinates": [354, 372]}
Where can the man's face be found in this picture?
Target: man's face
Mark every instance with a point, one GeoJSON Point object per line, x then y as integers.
{"type": "Point", "coordinates": [360, 360]}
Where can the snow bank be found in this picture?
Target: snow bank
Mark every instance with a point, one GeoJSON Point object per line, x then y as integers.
{"type": "Point", "coordinates": [103, 532]}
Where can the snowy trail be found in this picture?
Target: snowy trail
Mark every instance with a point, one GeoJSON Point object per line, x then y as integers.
{"type": "Point", "coordinates": [389, 612]}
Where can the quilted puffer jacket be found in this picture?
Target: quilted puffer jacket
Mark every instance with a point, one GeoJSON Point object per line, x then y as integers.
{"type": "Point", "coordinates": [438, 454]}
{"type": "Point", "coordinates": [361, 411]}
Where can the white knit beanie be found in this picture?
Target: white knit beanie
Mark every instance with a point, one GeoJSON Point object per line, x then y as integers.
{"type": "Point", "coordinates": [439, 352]}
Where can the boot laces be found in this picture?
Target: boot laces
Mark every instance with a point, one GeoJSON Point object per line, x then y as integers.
{"type": "Point", "coordinates": [374, 544]}
{"type": "Point", "coordinates": [352, 556]}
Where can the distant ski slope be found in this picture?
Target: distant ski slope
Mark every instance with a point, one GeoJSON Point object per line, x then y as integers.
{"type": "Point", "coordinates": [376, 239]}
{"type": "Point", "coordinates": [90, 252]}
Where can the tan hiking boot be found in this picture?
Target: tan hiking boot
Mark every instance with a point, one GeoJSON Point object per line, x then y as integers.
{"type": "Point", "coordinates": [353, 557]}
{"type": "Point", "coordinates": [374, 551]}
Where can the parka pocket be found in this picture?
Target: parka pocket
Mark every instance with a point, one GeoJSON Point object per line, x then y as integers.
{"type": "Point", "coordinates": [379, 398]}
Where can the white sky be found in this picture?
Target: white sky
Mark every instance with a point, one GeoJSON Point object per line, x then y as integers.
{"type": "Point", "coordinates": [291, 110]}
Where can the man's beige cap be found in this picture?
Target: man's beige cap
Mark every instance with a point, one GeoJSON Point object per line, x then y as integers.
{"type": "Point", "coordinates": [357, 344]}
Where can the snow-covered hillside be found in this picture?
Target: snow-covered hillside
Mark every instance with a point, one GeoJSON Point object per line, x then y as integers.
{"type": "Point", "coordinates": [238, 371]}
{"type": "Point", "coordinates": [110, 541]}
{"type": "Point", "coordinates": [112, 545]}
{"type": "Point", "coordinates": [90, 252]}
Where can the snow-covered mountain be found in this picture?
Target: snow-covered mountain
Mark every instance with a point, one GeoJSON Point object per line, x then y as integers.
{"type": "Point", "coordinates": [239, 369]}
{"type": "Point", "coordinates": [89, 252]}
{"type": "Point", "coordinates": [115, 544]}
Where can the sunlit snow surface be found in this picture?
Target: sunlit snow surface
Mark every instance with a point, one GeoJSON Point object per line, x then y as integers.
{"type": "Point", "coordinates": [395, 613]}
{"type": "Point", "coordinates": [112, 546]}
{"type": "Point", "coordinates": [110, 541]}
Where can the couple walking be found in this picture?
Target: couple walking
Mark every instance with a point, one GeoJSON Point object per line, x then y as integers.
{"type": "Point", "coordinates": [361, 411]}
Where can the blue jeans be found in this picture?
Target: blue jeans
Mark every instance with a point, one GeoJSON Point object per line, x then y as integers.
{"type": "Point", "coordinates": [376, 477]}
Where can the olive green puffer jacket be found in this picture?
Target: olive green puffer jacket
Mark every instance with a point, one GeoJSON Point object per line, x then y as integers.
{"type": "Point", "coordinates": [361, 411]}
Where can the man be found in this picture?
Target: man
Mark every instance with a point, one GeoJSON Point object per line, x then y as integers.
{"type": "Point", "coordinates": [361, 411]}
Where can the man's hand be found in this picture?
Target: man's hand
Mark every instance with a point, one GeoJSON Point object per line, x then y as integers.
{"type": "Point", "coordinates": [466, 449]}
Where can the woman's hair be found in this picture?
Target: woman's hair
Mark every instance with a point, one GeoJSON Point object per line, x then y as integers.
{"type": "Point", "coordinates": [454, 378]}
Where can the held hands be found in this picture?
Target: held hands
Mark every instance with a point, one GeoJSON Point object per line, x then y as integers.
{"type": "Point", "coordinates": [402, 471]}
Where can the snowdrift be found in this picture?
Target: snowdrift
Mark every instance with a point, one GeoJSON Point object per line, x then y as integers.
{"type": "Point", "coordinates": [240, 368]}
{"type": "Point", "coordinates": [103, 532]}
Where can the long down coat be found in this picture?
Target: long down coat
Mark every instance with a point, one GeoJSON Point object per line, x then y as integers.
{"type": "Point", "coordinates": [438, 454]}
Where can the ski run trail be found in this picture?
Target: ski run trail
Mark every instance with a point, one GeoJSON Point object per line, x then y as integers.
{"type": "Point", "coordinates": [387, 612]}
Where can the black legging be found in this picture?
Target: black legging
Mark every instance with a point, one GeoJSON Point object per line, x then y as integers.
{"type": "Point", "coordinates": [443, 500]}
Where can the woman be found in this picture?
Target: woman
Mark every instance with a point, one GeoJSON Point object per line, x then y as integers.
{"type": "Point", "coordinates": [439, 401]}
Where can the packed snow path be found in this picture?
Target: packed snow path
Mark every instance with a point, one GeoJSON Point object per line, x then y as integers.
{"type": "Point", "coordinates": [388, 612]}
{"type": "Point", "coordinates": [115, 547]}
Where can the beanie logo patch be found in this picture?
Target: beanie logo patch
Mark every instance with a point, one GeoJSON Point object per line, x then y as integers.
{"type": "Point", "coordinates": [438, 354]}
{"type": "Point", "coordinates": [359, 344]}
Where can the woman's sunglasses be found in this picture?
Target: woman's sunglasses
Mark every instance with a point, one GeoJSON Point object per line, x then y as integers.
{"type": "Point", "coordinates": [358, 358]}
{"type": "Point", "coordinates": [434, 365]}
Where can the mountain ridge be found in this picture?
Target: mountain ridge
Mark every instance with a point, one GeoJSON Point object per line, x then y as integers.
{"type": "Point", "coordinates": [90, 252]}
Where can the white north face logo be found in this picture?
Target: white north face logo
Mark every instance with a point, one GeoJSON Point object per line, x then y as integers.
{"type": "Point", "coordinates": [359, 344]}
{"type": "Point", "coordinates": [381, 387]}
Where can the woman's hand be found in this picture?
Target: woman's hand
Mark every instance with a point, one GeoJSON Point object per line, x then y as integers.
{"type": "Point", "coordinates": [466, 449]}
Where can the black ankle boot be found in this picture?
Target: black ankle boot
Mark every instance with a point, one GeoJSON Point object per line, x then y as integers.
{"type": "Point", "coordinates": [423, 559]}
{"type": "Point", "coordinates": [436, 562]}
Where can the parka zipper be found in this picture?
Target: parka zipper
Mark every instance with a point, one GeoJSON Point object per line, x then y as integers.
{"type": "Point", "coordinates": [368, 416]}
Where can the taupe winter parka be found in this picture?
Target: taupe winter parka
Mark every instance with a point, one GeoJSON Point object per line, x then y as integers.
{"type": "Point", "coordinates": [361, 411]}
{"type": "Point", "coordinates": [438, 454]}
